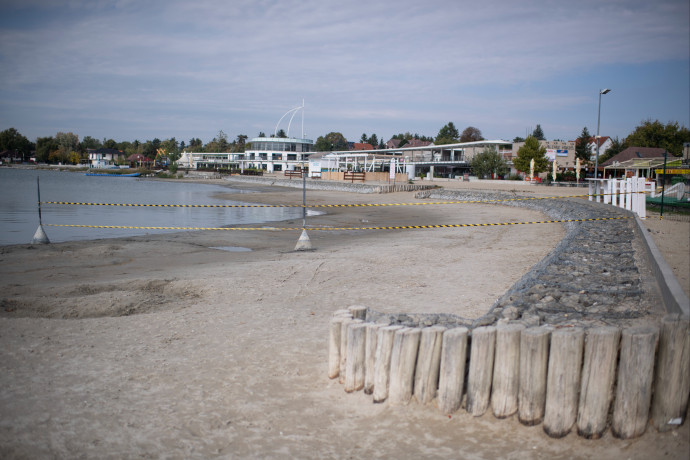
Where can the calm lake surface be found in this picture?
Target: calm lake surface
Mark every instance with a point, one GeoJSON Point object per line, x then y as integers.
{"type": "Point", "coordinates": [19, 206]}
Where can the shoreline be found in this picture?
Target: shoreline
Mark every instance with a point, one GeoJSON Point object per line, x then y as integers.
{"type": "Point", "coordinates": [160, 345]}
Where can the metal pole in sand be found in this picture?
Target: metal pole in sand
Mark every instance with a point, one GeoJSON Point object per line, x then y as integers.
{"type": "Point", "coordinates": [40, 236]}
{"type": "Point", "coordinates": [304, 244]}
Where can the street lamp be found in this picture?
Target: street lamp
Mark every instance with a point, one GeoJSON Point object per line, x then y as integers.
{"type": "Point", "coordinates": [596, 159]}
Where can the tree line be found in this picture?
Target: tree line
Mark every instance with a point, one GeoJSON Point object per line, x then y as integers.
{"type": "Point", "coordinates": [67, 148]}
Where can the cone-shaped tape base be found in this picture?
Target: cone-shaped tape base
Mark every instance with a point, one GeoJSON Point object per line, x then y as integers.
{"type": "Point", "coordinates": [40, 236]}
{"type": "Point", "coordinates": [303, 243]}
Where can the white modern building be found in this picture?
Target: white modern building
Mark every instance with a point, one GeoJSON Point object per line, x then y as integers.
{"type": "Point", "coordinates": [269, 154]}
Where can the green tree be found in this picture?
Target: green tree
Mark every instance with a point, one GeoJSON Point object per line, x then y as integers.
{"type": "Point", "coordinates": [330, 142]}
{"type": "Point", "coordinates": [170, 145]}
{"type": "Point", "coordinates": [531, 150]}
{"type": "Point", "coordinates": [195, 144]}
{"type": "Point", "coordinates": [373, 140]}
{"type": "Point", "coordinates": [74, 157]}
{"type": "Point", "coordinates": [448, 134]}
{"type": "Point", "coordinates": [655, 134]}
{"type": "Point", "coordinates": [518, 139]}
{"type": "Point", "coordinates": [489, 161]}
{"type": "Point", "coordinates": [471, 134]}
{"type": "Point", "coordinates": [240, 144]}
{"type": "Point", "coordinates": [582, 150]}
{"type": "Point", "coordinates": [109, 143]}
{"type": "Point", "coordinates": [90, 143]}
{"type": "Point", "coordinates": [363, 139]}
{"type": "Point", "coordinates": [281, 133]}
{"type": "Point", "coordinates": [45, 145]}
{"type": "Point", "coordinates": [11, 139]}
{"type": "Point", "coordinates": [538, 133]}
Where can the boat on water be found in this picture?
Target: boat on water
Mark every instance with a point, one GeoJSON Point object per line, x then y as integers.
{"type": "Point", "coordinates": [113, 175]}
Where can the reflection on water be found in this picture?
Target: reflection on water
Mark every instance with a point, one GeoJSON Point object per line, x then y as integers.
{"type": "Point", "coordinates": [19, 206]}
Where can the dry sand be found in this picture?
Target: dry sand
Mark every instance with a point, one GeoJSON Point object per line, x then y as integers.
{"type": "Point", "coordinates": [161, 346]}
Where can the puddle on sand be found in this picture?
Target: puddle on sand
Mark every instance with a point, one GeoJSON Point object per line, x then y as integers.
{"type": "Point", "coordinates": [232, 248]}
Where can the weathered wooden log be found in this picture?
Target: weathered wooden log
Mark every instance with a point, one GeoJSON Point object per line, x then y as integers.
{"type": "Point", "coordinates": [382, 368]}
{"type": "Point", "coordinates": [534, 360]}
{"type": "Point", "coordinates": [452, 371]}
{"type": "Point", "coordinates": [598, 377]}
{"type": "Point", "coordinates": [342, 312]}
{"type": "Point", "coordinates": [356, 346]}
{"type": "Point", "coordinates": [428, 364]}
{"type": "Point", "coordinates": [504, 389]}
{"type": "Point", "coordinates": [358, 312]}
{"type": "Point", "coordinates": [343, 347]}
{"type": "Point", "coordinates": [334, 346]}
{"type": "Point", "coordinates": [403, 363]}
{"type": "Point", "coordinates": [672, 382]}
{"type": "Point", "coordinates": [634, 389]}
{"type": "Point", "coordinates": [370, 356]}
{"type": "Point", "coordinates": [563, 381]}
{"type": "Point", "coordinates": [482, 347]}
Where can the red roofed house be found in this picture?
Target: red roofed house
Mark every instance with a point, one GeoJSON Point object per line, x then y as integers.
{"type": "Point", "coordinates": [361, 146]}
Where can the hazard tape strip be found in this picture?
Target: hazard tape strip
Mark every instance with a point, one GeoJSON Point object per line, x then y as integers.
{"type": "Point", "coordinates": [350, 205]}
{"type": "Point", "coordinates": [397, 227]}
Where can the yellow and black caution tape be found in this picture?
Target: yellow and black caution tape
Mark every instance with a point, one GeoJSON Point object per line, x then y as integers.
{"type": "Point", "coordinates": [397, 227]}
{"type": "Point", "coordinates": [347, 205]}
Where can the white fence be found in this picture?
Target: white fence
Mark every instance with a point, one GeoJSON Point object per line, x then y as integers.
{"type": "Point", "coordinates": [627, 193]}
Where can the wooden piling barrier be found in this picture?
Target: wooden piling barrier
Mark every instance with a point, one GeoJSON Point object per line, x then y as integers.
{"type": "Point", "coordinates": [403, 363]}
{"type": "Point", "coordinates": [356, 342]}
{"type": "Point", "coordinates": [598, 377]}
{"type": "Point", "coordinates": [504, 388]}
{"type": "Point", "coordinates": [334, 346]}
{"type": "Point", "coordinates": [534, 360]}
{"type": "Point", "coordinates": [482, 349]}
{"type": "Point", "coordinates": [672, 382]}
{"type": "Point", "coordinates": [343, 347]}
{"type": "Point", "coordinates": [370, 356]}
{"type": "Point", "coordinates": [634, 389]}
{"type": "Point", "coordinates": [382, 368]}
{"type": "Point", "coordinates": [452, 370]}
{"type": "Point", "coordinates": [563, 380]}
{"type": "Point", "coordinates": [428, 364]}
{"type": "Point", "coordinates": [358, 312]}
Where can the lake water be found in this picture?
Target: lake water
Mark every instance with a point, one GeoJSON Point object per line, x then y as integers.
{"type": "Point", "coordinates": [19, 206]}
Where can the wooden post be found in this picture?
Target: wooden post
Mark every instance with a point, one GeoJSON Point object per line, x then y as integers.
{"type": "Point", "coordinates": [672, 382]}
{"type": "Point", "coordinates": [482, 349]}
{"type": "Point", "coordinates": [634, 390]}
{"type": "Point", "coordinates": [382, 368]}
{"type": "Point", "coordinates": [504, 389]}
{"type": "Point", "coordinates": [370, 356]}
{"type": "Point", "coordinates": [563, 381]}
{"type": "Point", "coordinates": [403, 363]}
{"type": "Point", "coordinates": [343, 347]}
{"type": "Point", "coordinates": [428, 364]}
{"type": "Point", "coordinates": [534, 360]}
{"type": "Point", "coordinates": [356, 342]}
{"type": "Point", "coordinates": [598, 377]}
{"type": "Point", "coordinates": [452, 371]}
{"type": "Point", "coordinates": [334, 346]}
{"type": "Point", "coordinates": [358, 312]}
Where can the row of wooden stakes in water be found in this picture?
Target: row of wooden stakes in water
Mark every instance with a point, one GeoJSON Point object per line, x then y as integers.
{"type": "Point", "coordinates": [559, 376]}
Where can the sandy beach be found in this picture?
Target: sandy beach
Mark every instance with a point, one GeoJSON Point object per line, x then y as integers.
{"type": "Point", "coordinates": [166, 346]}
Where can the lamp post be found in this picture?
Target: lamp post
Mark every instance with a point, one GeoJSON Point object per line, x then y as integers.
{"type": "Point", "coordinates": [596, 159]}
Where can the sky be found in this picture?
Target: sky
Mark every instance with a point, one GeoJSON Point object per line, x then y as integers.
{"type": "Point", "coordinates": [138, 69]}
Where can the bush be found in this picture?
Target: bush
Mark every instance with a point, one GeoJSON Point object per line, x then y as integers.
{"type": "Point", "coordinates": [567, 176]}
